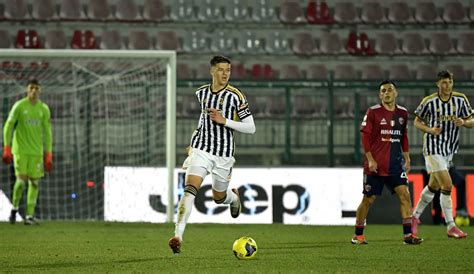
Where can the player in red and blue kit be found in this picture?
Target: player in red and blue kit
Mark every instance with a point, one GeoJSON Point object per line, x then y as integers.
{"type": "Point", "coordinates": [387, 160]}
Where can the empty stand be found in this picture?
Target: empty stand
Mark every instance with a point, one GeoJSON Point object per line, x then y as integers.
{"type": "Point", "coordinates": [440, 43]}
{"type": "Point", "coordinates": [111, 39]}
{"type": "Point", "coordinates": [98, 10]}
{"type": "Point", "coordinates": [331, 43]}
{"type": "Point", "coordinates": [413, 43]}
{"type": "Point", "coordinates": [139, 40]}
{"type": "Point", "coordinates": [83, 39]}
{"type": "Point", "coordinates": [454, 12]}
{"type": "Point", "coordinates": [304, 44]}
{"type": "Point", "coordinates": [386, 43]}
{"type": "Point", "coordinates": [55, 39]}
{"type": "Point", "coordinates": [426, 13]}
{"type": "Point", "coordinates": [465, 43]}
{"type": "Point", "coordinates": [344, 72]}
{"type": "Point", "coordinates": [167, 40]}
{"type": "Point", "coordinates": [43, 10]}
{"type": "Point", "coordinates": [317, 72]}
{"type": "Point", "coordinates": [399, 72]}
{"type": "Point", "coordinates": [71, 10]}
{"type": "Point", "coordinates": [318, 13]}
{"type": "Point", "coordinates": [291, 12]}
{"type": "Point", "coordinates": [5, 40]}
{"type": "Point", "coordinates": [127, 10]}
{"type": "Point", "coordinates": [276, 43]}
{"type": "Point", "coordinates": [16, 10]}
{"type": "Point", "coordinates": [399, 13]}
{"type": "Point", "coordinates": [154, 10]}
{"type": "Point", "coordinates": [28, 39]}
{"type": "Point", "coordinates": [345, 12]}
{"type": "Point", "coordinates": [426, 72]}
{"type": "Point", "coordinates": [372, 72]}
{"type": "Point", "coordinates": [372, 13]}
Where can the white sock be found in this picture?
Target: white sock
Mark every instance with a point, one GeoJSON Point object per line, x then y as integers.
{"type": "Point", "coordinates": [184, 210]}
{"type": "Point", "coordinates": [425, 198]}
{"type": "Point", "coordinates": [231, 197]}
{"type": "Point", "coordinates": [447, 207]}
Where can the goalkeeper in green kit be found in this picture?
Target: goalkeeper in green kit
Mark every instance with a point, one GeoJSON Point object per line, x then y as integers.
{"type": "Point", "coordinates": [31, 149]}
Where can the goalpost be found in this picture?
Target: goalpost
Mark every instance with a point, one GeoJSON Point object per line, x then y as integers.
{"type": "Point", "coordinates": [108, 108]}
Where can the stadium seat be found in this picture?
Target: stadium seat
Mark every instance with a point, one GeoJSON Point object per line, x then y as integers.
{"type": "Point", "coordinates": [43, 10]}
{"type": "Point", "coordinates": [55, 39]}
{"type": "Point", "coordinates": [222, 42]}
{"type": "Point", "coordinates": [454, 12]}
{"type": "Point", "coordinates": [154, 11]}
{"type": "Point", "coordinates": [465, 43]}
{"type": "Point", "coordinates": [344, 72]}
{"type": "Point", "coordinates": [304, 106]}
{"type": "Point", "coordinates": [426, 72]}
{"type": "Point", "coordinates": [5, 40]}
{"type": "Point", "coordinates": [399, 13]}
{"type": "Point", "coordinates": [248, 43]}
{"type": "Point", "coordinates": [203, 72]}
{"type": "Point", "coordinates": [345, 12]}
{"type": "Point", "coordinates": [372, 13]}
{"type": "Point", "coordinates": [291, 12]}
{"type": "Point", "coordinates": [413, 44]}
{"type": "Point", "coordinates": [426, 13]}
{"type": "Point", "coordinates": [98, 10]}
{"type": "Point", "coordinates": [167, 40]}
{"type": "Point", "coordinates": [27, 39]}
{"type": "Point", "coordinates": [83, 39]}
{"type": "Point", "coordinates": [304, 44]}
{"type": "Point", "coordinates": [399, 73]}
{"type": "Point", "coordinates": [255, 107]}
{"type": "Point", "coordinates": [471, 13]}
{"type": "Point", "coordinates": [276, 43]}
{"type": "Point", "coordinates": [192, 108]}
{"type": "Point", "coordinates": [184, 72]}
{"type": "Point", "coordinates": [139, 40]}
{"type": "Point", "coordinates": [195, 42]}
{"type": "Point", "coordinates": [331, 43]}
{"type": "Point", "coordinates": [441, 43]}
{"type": "Point", "coordinates": [262, 11]}
{"type": "Point", "coordinates": [127, 10]}
{"type": "Point", "coordinates": [209, 11]}
{"type": "Point", "coordinates": [16, 10]}
{"type": "Point", "coordinates": [359, 44]}
{"type": "Point", "coordinates": [275, 106]}
{"type": "Point", "coordinates": [317, 72]}
{"type": "Point", "coordinates": [386, 43]}
{"type": "Point", "coordinates": [372, 72]}
{"type": "Point", "coordinates": [290, 72]}
{"type": "Point", "coordinates": [239, 72]}
{"type": "Point", "coordinates": [111, 39]}
{"type": "Point", "coordinates": [236, 11]}
{"type": "Point", "coordinates": [458, 71]}
{"type": "Point", "coordinates": [318, 13]}
{"type": "Point", "coordinates": [71, 10]}
{"type": "Point", "coordinates": [262, 72]}
{"type": "Point", "coordinates": [182, 11]}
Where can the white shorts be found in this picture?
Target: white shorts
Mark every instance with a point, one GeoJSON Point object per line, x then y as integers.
{"type": "Point", "coordinates": [201, 163]}
{"type": "Point", "coordinates": [435, 163]}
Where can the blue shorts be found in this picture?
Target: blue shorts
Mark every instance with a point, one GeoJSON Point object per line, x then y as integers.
{"type": "Point", "coordinates": [373, 184]}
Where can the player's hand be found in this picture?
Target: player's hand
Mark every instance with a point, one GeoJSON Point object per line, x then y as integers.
{"type": "Point", "coordinates": [216, 116]}
{"type": "Point", "coordinates": [407, 167]}
{"type": "Point", "coordinates": [373, 166]}
{"type": "Point", "coordinates": [459, 122]}
{"type": "Point", "coordinates": [7, 156]}
{"type": "Point", "coordinates": [48, 161]}
{"type": "Point", "coordinates": [435, 130]}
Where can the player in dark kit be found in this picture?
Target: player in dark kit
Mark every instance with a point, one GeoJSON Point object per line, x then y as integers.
{"type": "Point", "coordinates": [387, 160]}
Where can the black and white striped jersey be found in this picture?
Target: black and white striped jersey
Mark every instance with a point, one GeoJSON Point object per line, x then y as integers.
{"type": "Point", "coordinates": [211, 137]}
{"type": "Point", "coordinates": [436, 112]}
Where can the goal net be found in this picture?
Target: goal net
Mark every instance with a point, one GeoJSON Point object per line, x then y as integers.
{"type": "Point", "coordinates": [108, 108]}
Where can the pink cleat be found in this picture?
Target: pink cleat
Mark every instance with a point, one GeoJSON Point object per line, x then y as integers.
{"type": "Point", "coordinates": [414, 225]}
{"type": "Point", "coordinates": [456, 233]}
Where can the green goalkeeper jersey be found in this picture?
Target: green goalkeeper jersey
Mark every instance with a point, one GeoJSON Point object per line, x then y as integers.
{"type": "Point", "coordinates": [32, 128]}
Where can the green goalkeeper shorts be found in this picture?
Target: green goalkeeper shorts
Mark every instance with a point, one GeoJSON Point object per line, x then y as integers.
{"type": "Point", "coordinates": [30, 165]}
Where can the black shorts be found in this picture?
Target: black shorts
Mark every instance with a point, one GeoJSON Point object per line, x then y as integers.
{"type": "Point", "coordinates": [373, 185]}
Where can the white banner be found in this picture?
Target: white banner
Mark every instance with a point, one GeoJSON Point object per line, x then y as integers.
{"type": "Point", "coordinates": [316, 196]}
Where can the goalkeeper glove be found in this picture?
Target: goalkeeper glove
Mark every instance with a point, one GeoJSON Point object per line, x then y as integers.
{"type": "Point", "coordinates": [48, 161]}
{"type": "Point", "coordinates": [7, 156]}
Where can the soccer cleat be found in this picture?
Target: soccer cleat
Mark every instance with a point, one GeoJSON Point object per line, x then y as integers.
{"type": "Point", "coordinates": [12, 218]}
{"type": "Point", "coordinates": [456, 233]}
{"type": "Point", "coordinates": [359, 240]}
{"type": "Point", "coordinates": [412, 240]}
{"type": "Point", "coordinates": [31, 221]}
{"type": "Point", "coordinates": [414, 225]}
{"type": "Point", "coordinates": [175, 245]}
{"type": "Point", "coordinates": [235, 207]}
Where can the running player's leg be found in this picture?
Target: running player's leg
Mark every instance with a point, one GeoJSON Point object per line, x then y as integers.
{"type": "Point", "coordinates": [373, 185]}
{"type": "Point", "coordinates": [434, 163]}
{"type": "Point", "coordinates": [20, 165]}
{"type": "Point", "coordinates": [221, 192]}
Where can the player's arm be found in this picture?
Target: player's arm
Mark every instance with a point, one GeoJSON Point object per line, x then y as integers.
{"type": "Point", "coordinates": [366, 131]}
{"type": "Point", "coordinates": [7, 134]}
{"type": "Point", "coordinates": [48, 141]}
{"type": "Point", "coordinates": [246, 125]}
{"type": "Point", "coordinates": [406, 153]}
{"type": "Point", "coordinates": [419, 124]}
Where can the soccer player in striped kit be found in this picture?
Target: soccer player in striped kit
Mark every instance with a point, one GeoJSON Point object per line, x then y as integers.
{"type": "Point", "coordinates": [387, 160]}
{"type": "Point", "coordinates": [440, 116]}
{"type": "Point", "coordinates": [224, 109]}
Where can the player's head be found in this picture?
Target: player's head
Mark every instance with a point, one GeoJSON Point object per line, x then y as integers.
{"type": "Point", "coordinates": [33, 89]}
{"type": "Point", "coordinates": [387, 92]}
{"type": "Point", "coordinates": [445, 81]}
{"type": "Point", "coordinates": [220, 69]}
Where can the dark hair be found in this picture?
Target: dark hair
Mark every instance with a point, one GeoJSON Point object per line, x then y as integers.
{"type": "Point", "coordinates": [219, 59]}
{"type": "Point", "coordinates": [33, 81]}
{"type": "Point", "coordinates": [444, 74]}
{"type": "Point", "coordinates": [387, 82]}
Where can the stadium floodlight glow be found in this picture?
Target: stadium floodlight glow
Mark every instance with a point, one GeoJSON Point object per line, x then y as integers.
{"type": "Point", "coordinates": [109, 108]}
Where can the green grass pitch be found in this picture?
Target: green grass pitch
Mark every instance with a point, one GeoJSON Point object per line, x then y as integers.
{"type": "Point", "coordinates": [99, 247]}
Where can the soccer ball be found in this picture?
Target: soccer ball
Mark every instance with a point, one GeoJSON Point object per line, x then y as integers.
{"type": "Point", "coordinates": [245, 248]}
{"type": "Point", "coordinates": [462, 221]}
